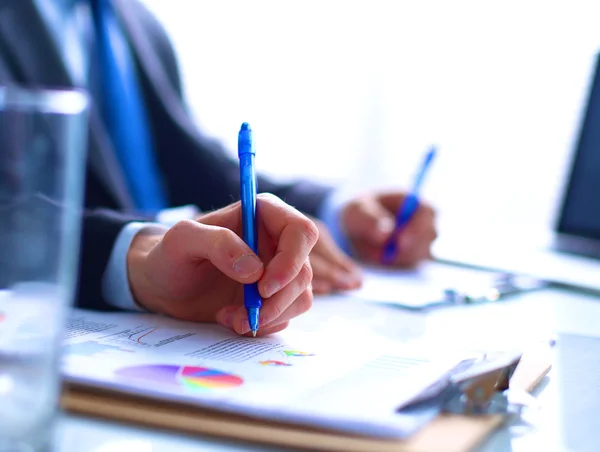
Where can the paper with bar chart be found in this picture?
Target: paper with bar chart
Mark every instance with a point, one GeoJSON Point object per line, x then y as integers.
{"type": "Point", "coordinates": [275, 376]}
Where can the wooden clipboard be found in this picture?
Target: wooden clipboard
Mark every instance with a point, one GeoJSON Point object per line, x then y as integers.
{"type": "Point", "coordinates": [446, 433]}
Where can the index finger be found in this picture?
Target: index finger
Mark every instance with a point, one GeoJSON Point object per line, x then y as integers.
{"type": "Point", "coordinates": [392, 201]}
{"type": "Point", "coordinates": [295, 235]}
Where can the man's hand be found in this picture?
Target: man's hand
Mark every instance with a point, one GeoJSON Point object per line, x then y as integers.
{"type": "Point", "coordinates": [369, 221]}
{"type": "Point", "coordinates": [195, 271]}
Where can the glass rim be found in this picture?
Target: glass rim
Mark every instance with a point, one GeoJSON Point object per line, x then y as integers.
{"type": "Point", "coordinates": [66, 101]}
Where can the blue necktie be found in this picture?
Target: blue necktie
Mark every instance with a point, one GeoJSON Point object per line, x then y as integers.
{"type": "Point", "coordinates": [124, 112]}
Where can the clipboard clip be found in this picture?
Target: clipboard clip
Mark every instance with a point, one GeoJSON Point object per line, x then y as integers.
{"type": "Point", "coordinates": [483, 387]}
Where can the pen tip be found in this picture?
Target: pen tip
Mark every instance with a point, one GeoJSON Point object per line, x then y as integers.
{"type": "Point", "coordinates": [245, 126]}
{"type": "Point", "coordinates": [253, 333]}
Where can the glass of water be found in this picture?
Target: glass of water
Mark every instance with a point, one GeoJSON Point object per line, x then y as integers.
{"type": "Point", "coordinates": [42, 165]}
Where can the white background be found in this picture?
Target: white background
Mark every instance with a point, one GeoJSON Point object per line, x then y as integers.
{"type": "Point", "coordinates": [354, 91]}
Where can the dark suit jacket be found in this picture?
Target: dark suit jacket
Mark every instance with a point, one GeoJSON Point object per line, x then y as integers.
{"type": "Point", "coordinates": [196, 169]}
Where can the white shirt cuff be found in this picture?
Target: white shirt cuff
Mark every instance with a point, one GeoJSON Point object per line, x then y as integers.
{"type": "Point", "coordinates": [115, 283]}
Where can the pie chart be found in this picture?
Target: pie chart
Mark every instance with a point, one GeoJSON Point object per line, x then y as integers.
{"type": "Point", "coordinates": [190, 377]}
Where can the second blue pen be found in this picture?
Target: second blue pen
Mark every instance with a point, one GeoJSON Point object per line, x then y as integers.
{"type": "Point", "coordinates": [407, 209]}
{"type": "Point", "coordinates": [248, 190]}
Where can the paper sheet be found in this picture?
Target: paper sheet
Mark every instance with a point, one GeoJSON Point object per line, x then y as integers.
{"type": "Point", "coordinates": [322, 378]}
{"type": "Point", "coordinates": [420, 287]}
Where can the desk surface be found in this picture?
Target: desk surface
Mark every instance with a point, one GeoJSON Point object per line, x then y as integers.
{"type": "Point", "coordinates": [530, 317]}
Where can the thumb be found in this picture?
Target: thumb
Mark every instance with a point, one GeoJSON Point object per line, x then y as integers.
{"type": "Point", "coordinates": [194, 241]}
{"type": "Point", "coordinates": [370, 221]}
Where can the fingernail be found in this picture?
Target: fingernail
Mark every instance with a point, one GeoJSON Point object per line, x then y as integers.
{"type": "Point", "coordinates": [357, 279]}
{"type": "Point", "coordinates": [385, 226]}
{"type": "Point", "coordinates": [270, 288]}
{"type": "Point", "coordinates": [228, 320]}
{"type": "Point", "coordinates": [346, 280]}
{"type": "Point", "coordinates": [247, 265]}
{"type": "Point", "coordinates": [244, 327]}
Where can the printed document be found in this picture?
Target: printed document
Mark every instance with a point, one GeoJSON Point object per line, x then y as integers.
{"type": "Point", "coordinates": [327, 378]}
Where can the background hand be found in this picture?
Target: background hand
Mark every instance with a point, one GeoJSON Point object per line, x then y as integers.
{"type": "Point", "coordinates": [332, 268]}
{"type": "Point", "coordinates": [369, 221]}
{"type": "Point", "coordinates": [195, 270]}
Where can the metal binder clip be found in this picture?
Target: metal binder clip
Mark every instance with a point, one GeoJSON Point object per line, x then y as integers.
{"type": "Point", "coordinates": [483, 387]}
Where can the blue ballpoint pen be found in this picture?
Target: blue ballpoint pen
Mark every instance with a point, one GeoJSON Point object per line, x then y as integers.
{"type": "Point", "coordinates": [407, 209]}
{"type": "Point", "coordinates": [252, 299]}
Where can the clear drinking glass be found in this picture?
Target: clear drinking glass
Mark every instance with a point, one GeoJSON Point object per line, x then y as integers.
{"type": "Point", "coordinates": [42, 162]}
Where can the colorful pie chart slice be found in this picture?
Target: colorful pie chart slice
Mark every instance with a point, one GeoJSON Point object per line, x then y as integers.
{"type": "Point", "coordinates": [297, 353]}
{"type": "Point", "coordinates": [190, 377]}
{"type": "Point", "coordinates": [273, 362]}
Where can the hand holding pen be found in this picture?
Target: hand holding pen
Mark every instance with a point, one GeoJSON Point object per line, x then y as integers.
{"type": "Point", "coordinates": [197, 270]}
{"type": "Point", "coordinates": [287, 277]}
{"type": "Point", "coordinates": [406, 211]}
{"type": "Point", "coordinates": [390, 227]}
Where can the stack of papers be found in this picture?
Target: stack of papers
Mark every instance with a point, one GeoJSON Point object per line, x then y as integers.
{"type": "Point", "coordinates": [330, 378]}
